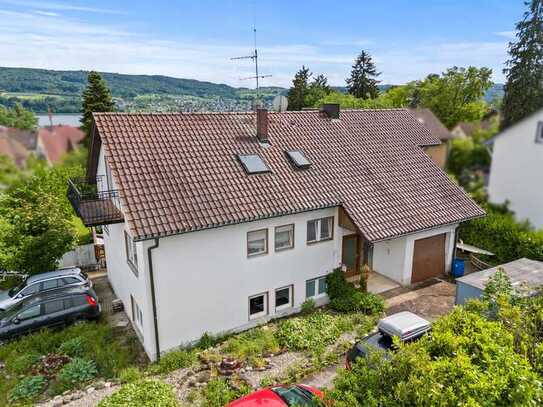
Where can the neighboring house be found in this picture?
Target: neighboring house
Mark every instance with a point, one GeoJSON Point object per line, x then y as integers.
{"type": "Point", "coordinates": [440, 152]}
{"type": "Point", "coordinates": [468, 129]}
{"type": "Point", "coordinates": [17, 144]}
{"type": "Point", "coordinates": [56, 141]}
{"type": "Point", "coordinates": [517, 154]}
{"type": "Point", "coordinates": [217, 222]}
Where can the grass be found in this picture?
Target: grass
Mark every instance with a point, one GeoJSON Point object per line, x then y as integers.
{"type": "Point", "coordinates": [94, 342]}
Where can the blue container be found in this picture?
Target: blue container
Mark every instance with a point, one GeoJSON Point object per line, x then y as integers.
{"type": "Point", "coordinates": [458, 268]}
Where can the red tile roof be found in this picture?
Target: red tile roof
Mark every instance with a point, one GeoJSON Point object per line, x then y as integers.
{"type": "Point", "coordinates": [430, 120]}
{"type": "Point", "coordinates": [58, 140]}
{"type": "Point", "coordinates": [13, 149]}
{"type": "Point", "coordinates": [177, 172]}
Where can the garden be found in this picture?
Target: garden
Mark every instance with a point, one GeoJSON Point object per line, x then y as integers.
{"type": "Point", "coordinates": [68, 363]}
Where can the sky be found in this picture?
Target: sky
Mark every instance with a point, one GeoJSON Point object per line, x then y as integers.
{"type": "Point", "coordinates": [408, 39]}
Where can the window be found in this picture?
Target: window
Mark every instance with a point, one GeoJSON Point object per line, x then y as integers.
{"type": "Point", "coordinates": [137, 314]}
{"type": "Point", "coordinates": [258, 306]}
{"type": "Point", "coordinates": [51, 284]}
{"type": "Point", "coordinates": [253, 164]}
{"type": "Point", "coordinates": [257, 242]}
{"type": "Point", "coordinates": [31, 312]}
{"type": "Point", "coordinates": [284, 237]}
{"type": "Point", "coordinates": [71, 280]}
{"type": "Point", "coordinates": [298, 159]}
{"type": "Point", "coordinates": [31, 289]}
{"type": "Point", "coordinates": [315, 287]}
{"type": "Point", "coordinates": [53, 306]}
{"type": "Point", "coordinates": [105, 229]}
{"type": "Point", "coordinates": [131, 255]}
{"type": "Point", "coordinates": [283, 298]}
{"type": "Point", "coordinates": [319, 230]}
{"type": "Point", "coordinates": [539, 133]}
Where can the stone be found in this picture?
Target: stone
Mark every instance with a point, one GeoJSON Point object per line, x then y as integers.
{"type": "Point", "coordinates": [77, 395]}
{"type": "Point", "coordinates": [107, 385]}
{"type": "Point", "coordinates": [66, 392]}
{"type": "Point", "coordinates": [57, 401]}
{"type": "Point", "coordinates": [248, 368]}
{"type": "Point", "coordinates": [203, 377]}
{"type": "Point", "coordinates": [67, 398]}
{"type": "Point", "coordinates": [99, 385]}
{"type": "Point", "coordinates": [90, 390]}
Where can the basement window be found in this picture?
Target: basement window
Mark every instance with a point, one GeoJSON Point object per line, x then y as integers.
{"type": "Point", "coordinates": [539, 133]}
{"type": "Point", "coordinates": [298, 158]}
{"type": "Point", "coordinates": [253, 164]}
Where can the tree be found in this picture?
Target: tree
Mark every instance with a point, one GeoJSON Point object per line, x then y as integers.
{"type": "Point", "coordinates": [96, 98]}
{"type": "Point", "coordinates": [318, 89]}
{"type": "Point", "coordinates": [454, 96]}
{"type": "Point", "coordinates": [18, 117]}
{"type": "Point", "coordinates": [363, 83]}
{"type": "Point", "coordinates": [524, 70]}
{"type": "Point", "coordinates": [299, 89]}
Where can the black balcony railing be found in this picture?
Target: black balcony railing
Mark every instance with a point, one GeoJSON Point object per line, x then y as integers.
{"type": "Point", "coordinates": [93, 203]}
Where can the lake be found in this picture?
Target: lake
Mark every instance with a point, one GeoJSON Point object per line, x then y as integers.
{"type": "Point", "coordinates": [70, 119]}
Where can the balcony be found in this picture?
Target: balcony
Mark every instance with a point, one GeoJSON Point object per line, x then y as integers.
{"type": "Point", "coordinates": [93, 203]}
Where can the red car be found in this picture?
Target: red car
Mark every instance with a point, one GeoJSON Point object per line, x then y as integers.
{"type": "Point", "coordinates": [280, 396]}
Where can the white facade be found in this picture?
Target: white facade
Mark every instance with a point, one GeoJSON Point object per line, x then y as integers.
{"type": "Point", "coordinates": [515, 174]}
{"type": "Point", "coordinates": [203, 280]}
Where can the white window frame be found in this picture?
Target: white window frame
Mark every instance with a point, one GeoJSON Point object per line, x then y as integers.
{"type": "Point", "coordinates": [290, 298]}
{"type": "Point", "coordinates": [318, 231]}
{"type": "Point", "coordinates": [131, 252]}
{"type": "Point", "coordinates": [282, 229]}
{"type": "Point", "coordinates": [316, 293]}
{"type": "Point", "coordinates": [539, 133]}
{"type": "Point", "coordinates": [137, 314]}
{"type": "Point", "coordinates": [265, 251]}
{"type": "Point", "coordinates": [266, 306]}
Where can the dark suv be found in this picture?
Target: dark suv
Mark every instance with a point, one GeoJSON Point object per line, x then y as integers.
{"type": "Point", "coordinates": [48, 310]}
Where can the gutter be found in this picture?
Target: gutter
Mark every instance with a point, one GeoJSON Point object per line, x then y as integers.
{"type": "Point", "coordinates": [153, 296]}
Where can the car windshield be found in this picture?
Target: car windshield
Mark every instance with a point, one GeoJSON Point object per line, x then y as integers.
{"type": "Point", "coordinates": [8, 313]}
{"type": "Point", "coordinates": [295, 396]}
{"type": "Point", "coordinates": [14, 290]}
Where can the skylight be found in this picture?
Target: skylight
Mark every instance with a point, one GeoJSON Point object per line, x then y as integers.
{"type": "Point", "coordinates": [298, 159]}
{"type": "Point", "coordinates": [253, 163]}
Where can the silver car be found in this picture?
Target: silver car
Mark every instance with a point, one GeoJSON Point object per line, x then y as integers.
{"type": "Point", "coordinates": [44, 282]}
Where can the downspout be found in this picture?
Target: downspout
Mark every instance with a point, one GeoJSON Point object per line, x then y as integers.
{"type": "Point", "coordinates": [453, 254]}
{"type": "Point", "coordinates": [153, 296]}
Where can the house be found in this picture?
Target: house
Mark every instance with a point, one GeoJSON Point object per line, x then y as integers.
{"type": "Point", "coordinates": [217, 222]}
{"type": "Point", "coordinates": [526, 277]}
{"type": "Point", "coordinates": [517, 153]}
{"type": "Point", "coordinates": [468, 129]}
{"type": "Point", "coordinates": [17, 144]}
{"type": "Point", "coordinates": [54, 142]}
{"type": "Point", "coordinates": [440, 152]}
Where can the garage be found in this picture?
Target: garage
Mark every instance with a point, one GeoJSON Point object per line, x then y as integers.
{"type": "Point", "coordinates": [428, 258]}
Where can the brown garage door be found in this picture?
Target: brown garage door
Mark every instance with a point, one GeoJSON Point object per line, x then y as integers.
{"type": "Point", "coordinates": [428, 258]}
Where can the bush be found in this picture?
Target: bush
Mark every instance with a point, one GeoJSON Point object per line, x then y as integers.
{"type": "Point", "coordinates": [309, 333]}
{"type": "Point", "coordinates": [308, 306]}
{"type": "Point", "coordinates": [130, 375]}
{"type": "Point", "coordinates": [218, 393]}
{"type": "Point", "coordinates": [344, 297]}
{"type": "Point", "coordinates": [254, 343]}
{"type": "Point", "coordinates": [72, 347]}
{"type": "Point", "coordinates": [176, 359]}
{"type": "Point", "coordinates": [143, 393]}
{"type": "Point", "coordinates": [27, 389]}
{"type": "Point", "coordinates": [77, 371]}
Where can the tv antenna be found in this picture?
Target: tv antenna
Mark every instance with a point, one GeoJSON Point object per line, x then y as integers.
{"type": "Point", "coordinates": [257, 76]}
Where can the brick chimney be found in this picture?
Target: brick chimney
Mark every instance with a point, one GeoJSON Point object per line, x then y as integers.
{"type": "Point", "coordinates": [262, 125]}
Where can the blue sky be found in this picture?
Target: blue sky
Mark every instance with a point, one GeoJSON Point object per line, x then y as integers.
{"type": "Point", "coordinates": [195, 39]}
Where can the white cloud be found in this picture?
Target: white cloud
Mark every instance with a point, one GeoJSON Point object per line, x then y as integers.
{"type": "Point", "coordinates": [58, 6]}
{"type": "Point", "coordinates": [47, 13]}
{"type": "Point", "coordinates": [510, 35]}
{"type": "Point", "coordinates": [58, 42]}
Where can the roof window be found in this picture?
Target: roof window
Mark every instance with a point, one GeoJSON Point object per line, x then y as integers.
{"type": "Point", "coordinates": [253, 164]}
{"type": "Point", "coordinates": [298, 159]}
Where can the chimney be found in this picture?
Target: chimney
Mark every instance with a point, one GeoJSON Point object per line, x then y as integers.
{"type": "Point", "coordinates": [262, 125]}
{"type": "Point", "coordinates": [331, 110]}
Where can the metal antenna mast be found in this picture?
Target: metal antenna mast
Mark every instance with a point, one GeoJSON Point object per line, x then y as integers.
{"type": "Point", "coordinates": [257, 76]}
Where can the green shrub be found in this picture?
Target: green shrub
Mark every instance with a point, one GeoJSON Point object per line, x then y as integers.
{"type": "Point", "coordinates": [22, 364]}
{"type": "Point", "coordinates": [206, 341]}
{"type": "Point", "coordinates": [344, 297]}
{"type": "Point", "coordinates": [310, 332]}
{"type": "Point", "coordinates": [371, 304]}
{"type": "Point", "coordinates": [72, 347]}
{"type": "Point", "coordinates": [146, 393]}
{"type": "Point", "coordinates": [77, 371]}
{"type": "Point", "coordinates": [218, 393]}
{"type": "Point", "coordinates": [308, 306]}
{"type": "Point", "coordinates": [130, 375]}
{"type": "Point", "coordinates": [176, 359]}
{"type": "Point", "coordinates": [27, 389]}
{"type": "Point", "coordinates": [256, 342]}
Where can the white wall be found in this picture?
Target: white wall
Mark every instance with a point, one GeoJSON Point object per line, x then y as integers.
{"type": "Point", "coordinates": [394, 258]}
{"type": "Point", "coordinates": [204, 279]}
{"type": "Point", "coordinates": [516, 170]}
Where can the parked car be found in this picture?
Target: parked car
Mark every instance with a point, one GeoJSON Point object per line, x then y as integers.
{"type": "Point", "coordinates": [51, 309]}
{"type": "Point", "coordinates": [405, 325]}
{"type": "Point", "coordinates": [38, 283]}
{"type": "Point", "coordinates": [280, 396]}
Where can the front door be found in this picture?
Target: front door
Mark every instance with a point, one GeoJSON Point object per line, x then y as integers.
{"type": "Point", "coordinates": [350, 255]}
